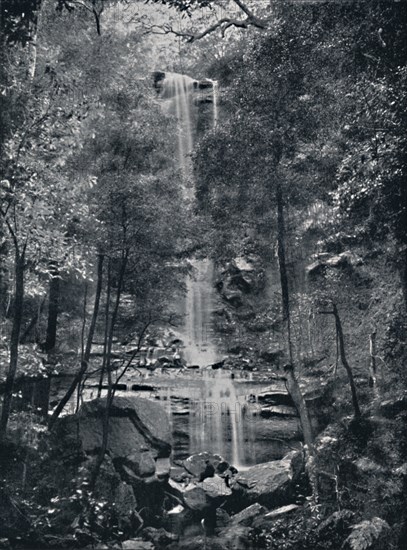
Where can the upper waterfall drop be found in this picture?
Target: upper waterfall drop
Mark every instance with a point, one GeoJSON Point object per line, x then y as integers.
{"type": "Point", "coordinates": [181, 97]}
{"type": "Point", "coordinates": [177, 93]}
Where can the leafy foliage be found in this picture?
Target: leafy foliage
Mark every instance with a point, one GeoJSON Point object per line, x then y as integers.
{"type": "Point", "coordinates": [365, 534]}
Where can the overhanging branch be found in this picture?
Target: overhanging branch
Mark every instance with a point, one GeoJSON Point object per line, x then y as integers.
{"type": "Point", "coordinates": [251, 20]}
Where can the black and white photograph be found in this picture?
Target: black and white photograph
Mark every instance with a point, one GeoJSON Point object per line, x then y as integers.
{"type": "Point", "coordinates": [203, 274]}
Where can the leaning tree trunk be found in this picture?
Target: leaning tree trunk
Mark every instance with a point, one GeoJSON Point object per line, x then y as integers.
{"type": "Point", "coordinates": [85, 359]}
{"type": "Point", "coordinates": [283, 267]}
{"type": "Point", "coordinates": [345, 363]}
{"type": "Point", "coordinates": [292, 381]}
{"type": "Point", "coordinates": [14, 340]}
{"type": "Point", "coordinates": [293, 386]}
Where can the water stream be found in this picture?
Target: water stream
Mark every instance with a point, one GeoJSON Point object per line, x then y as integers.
{"type": "Point", "coordinates": [181, 96]}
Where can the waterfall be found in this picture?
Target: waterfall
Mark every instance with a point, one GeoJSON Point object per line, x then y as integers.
{"type": "Point", "coordinates": [177, 92]}
{"type": "Point", "coordinates": [180, 97]}
{"type": "Point", "coordinates": [216, 423]}
{"type": "Point", "coordinates": [223, 417]}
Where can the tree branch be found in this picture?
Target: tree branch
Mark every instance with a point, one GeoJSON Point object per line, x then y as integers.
{"type": "Point", "coordinates": [222, 24]}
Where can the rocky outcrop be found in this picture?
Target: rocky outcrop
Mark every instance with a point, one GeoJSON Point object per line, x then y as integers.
{"type": "Point", "coordinates": [242, 276]}
{"type": "Point", "coordinates": [326, 261]}
{"type": "Point", "coordinates": [274, 396]}
{"type": "Point", "coordinates": [138, 448]}
{"type": "Point", "coordinates": [139, 431]}
{"type": "Point", "coordinates": [270, 484]}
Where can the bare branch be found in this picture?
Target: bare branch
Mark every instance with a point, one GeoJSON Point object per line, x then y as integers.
{"type": "Point", "coordinates": [245, 9]}
{"type": "Point", "coordinates": [222, 24]}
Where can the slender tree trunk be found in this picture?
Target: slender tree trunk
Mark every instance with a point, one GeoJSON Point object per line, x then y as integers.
{"type": "Point", "coordinates": [34, 320]}
{"type": "Point", "coordinates": [42, 388]}
{"type": "Point", "coordinates": [53, 307]}
{"type": "Point", "coordinates": [106, 334]}
{"type": "Point", "coordinates": [402, 238]}
{"type": "Point", "coordinates": [292, 382]}
{"type": "Point", "coordinates": [110, 394]}
{"type": "Point", "coordinates": [85, 360]}
{"type": "Point", "coordinates": [14, 340]}
{"type": "Point", "coordinates": [345, 363]}
{"type": "Point", "coordinates": [299, 401]}
{"type": "Point", "coordinates": [293, 386]}
{"type": "Point", "coordinates": [373, 366]}
{"type": "Point", "coordinates": [283, 267]}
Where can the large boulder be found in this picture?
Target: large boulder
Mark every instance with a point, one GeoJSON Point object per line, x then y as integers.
{"type": "Point", "coordinates": [270, 484]}
{"type": "Point", "coordinates": [136, 425]}
{"type": "Point", "coordinates": [215, 487]}
{"type": "Point", "coordinates": [196, 464]}
{"type": "Point", "coordinates": [139, 435]}
{"type": "Point", "coordinates": [130, 418]}
{"type": "Point", "coordinates": [199, 496]}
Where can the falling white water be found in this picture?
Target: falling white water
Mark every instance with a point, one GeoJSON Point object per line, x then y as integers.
{"type": "Point", "coordinates": [216, 419]}
{"type": "Point", "coordinates": [178, 93]}
{"type": "Point", "coordinates": [223, 416]}
{"type": "Point", "coordinates": [198, 337]}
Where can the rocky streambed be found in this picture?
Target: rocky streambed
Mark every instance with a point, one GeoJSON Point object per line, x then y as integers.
{"type": "Point", "coordinates": [174, 503]}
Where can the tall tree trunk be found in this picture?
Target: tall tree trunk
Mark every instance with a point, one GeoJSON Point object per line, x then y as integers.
{"type": "Point", "coordinates": [14, 339]}
{"type": "Point", "coordinates": [34, 320]}
{"type": "Point", "coordinates": [106, 334]}
{"type": "Point", "coordinates": [110, 394]}
{"type": "Point", "coordinates": [85, 359]}
{"type": "Point", "coordinates": [42, 388]}
{"type": "Point", "coordinates": [283, 268]}
{"type": "Point", "coordinates": [53, 307]}
{"type": "Point", "coordinates": [293, 386]}
{"type": "Point", "coordinates": [344, 361]}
